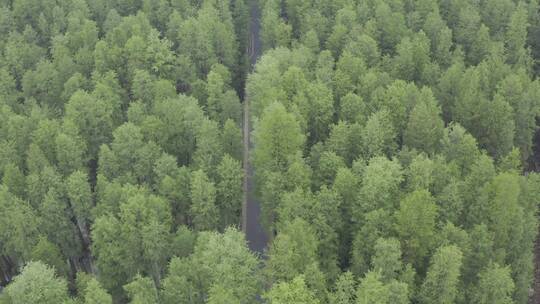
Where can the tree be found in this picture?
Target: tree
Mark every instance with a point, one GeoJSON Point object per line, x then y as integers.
{"type": "Point", "coordinates": [57, 225]}
{"type": "Point", "coordinates": [275, 32]}
{"type": "Point", "coordinates": [14, 180]}
{"type": "Point", "coordinates": [92, 118]}
{"type": "Point", "coordinates": [459, 147]}
{"type": "Point", "coordinates": [80, 200]}
{"type": "Point", "coordinates": [425, 126]}
{"type": "Point", "coordinates": [49, 254]}
{"type": "Point", "coordinates": [70, 152]}
{"type": "Point", "coordinates": [516, 37]}
{"type": "Point", "coordinates": [203, 209]}
{"type": "Point", "coordinates": [412, 59]}
{"type": "Point", "coordinates": [141, 237]}
{"type": "Point", "coordinates": [499, 138]}
{"type": "Point", "coordinates": [221, 265]}
{"type": "Point", "coordinates": [229, 190]}
{"type": "Point", "coordinates": [442, 279]}
{"type": "Point", "coordinates": [220, 295]}
{"type": "Point", "coordinates": [387, 259]}
{"type": "Point", "coordinates": [352, 108]}
{"type": "Point", "coordinates": [142, 290]}
{"type": "Point", "coordinates": [208, 151]}
{"type": "Point", "coordinates": [37, 283]}
{"type": "Point", "coordinates": [415, 224]}
{"type": "Point", "coordinates": [277, 137]}
{"type": "Point", "coordinates": [231, 140]}
{"type": "Point", "coordinates": [95, 294]}
{"type": "Point", "coordinates": [180, 284]}
{"type": "Point", "coordinates": [344, 291]}
{"type": "Point", "coordinates": [292, 251]}
{"type": "Point", "coordinates": [377, 224]}
{"type": "Point", "coordinates": [371, 290]}
{"type": "Point", "coordinates": [495, 286]}
{"type": "Point", "coordinates": [380, 189]}
{"type": "Point", "coordinates": [378, 136]}
{"type": "Point", "coordinates": [294, 291]}
{"type": "Point", "coordinates": [21, 225]}
{"type": "Point", "coordinates": [227, 261]}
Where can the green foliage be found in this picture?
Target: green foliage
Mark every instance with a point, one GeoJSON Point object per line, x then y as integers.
{"type": "Point", "coordinates": [372, 290]}
{"type": "Point", "coordinates": [142, 290]}
{"type": "Point", "coordinates": [95, 294]}
{"type": "Point", "coordinates": [425, 127]}
{"type": "Point", "coordinates": [344, 291]}
{"type": "Point", "coordinates": [441, 284]}
{"type": "Point", "coordinates": [48, 253]}
{"type": "Point", "coordinates": [220, 268]}
{"type": "Point", "coordinates": [292, 251]}
{"type": "Point", "coordinates": [37, 283]}
{"type": "Point", "coordinates": [495, 286]}
{"type": "Point", "coordinates": [277, 138]}
{"type": "Point", "coordinates": [382, 130]}
{"type": "Point", "coordinates": [203, 210]}
{"type": "Point", "coordinates": [415, 224]}
{"type": "Point", "coordinates": [294, 291]}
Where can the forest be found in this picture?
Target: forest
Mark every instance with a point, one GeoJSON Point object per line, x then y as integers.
{"type": "Point", "coordinates": [389, 147]}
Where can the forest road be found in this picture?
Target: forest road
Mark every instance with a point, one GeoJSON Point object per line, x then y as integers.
{"type": "Point", "coordinates": [256, 236]}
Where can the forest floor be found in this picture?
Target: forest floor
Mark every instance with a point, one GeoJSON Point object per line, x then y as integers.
{"type": "Point", "coordinates": [255, 234]}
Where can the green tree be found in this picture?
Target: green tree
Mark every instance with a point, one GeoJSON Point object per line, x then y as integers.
{"type": "Point", "coordinates": [92, 118]}
{"type": "Point", "coordinates": [378, 136]}
{"type": "Point", "coordinates": [387, 259]}
{"type": "Point", "coordinates": [412, 58]}
{"type": "Point", "coordinates": [294, 291]}
{"type": "Point", "coordinates": [21, 224]}
{"type": "Point", "coordinates": [142, 290]}
{"type": "Point", "coordinates": [495, 286]}
{"type": "Point", "coordinates": [14, 180]}
{"type": "Point", "coordinates": [95, 294]}
{"type": "Point", "coordinates": [221, 265]}
{"type": "Point", "coordinates": [377, 224]}
{"type": "Point", "coordinates": [292, 251]}
{"type": "Point", "coordinates": [415, 224]}
{"type": "Point", "coordinates": [204, 213]}
{"type": "Point", "coordinates": [80, 200]}
{"type": "Point", "coordinates": [459, 147]}
{"type": "Point", "coordinates": [227, 261]}
{"type": "Point", "coordinates": [275, 32]}
{"type": "Point", "coordinates": [48, 253]}
{"type": "Point", "coordinates": [425, 126]}
{"type": "Point", "coordinates": [380, 187]}
{"type": "Point", "coordinates": [344, 290]}
{"type": "Point", "coordinates": [277, 137]}
{"type": "Point", "coordinates": [443, 277]}
{"type": "Point", "coordinates": [37, 283]}
{"type": "Point", "coordinates": [516, 37]}
{"type": "Point", "coordinates": [220, 295]}
{"type": "Point", "coordinates": [231, 140]}
{"type": "Point", "coordinates": [372, 290]}
{"type": "Point", "coordinates": [229, 190]}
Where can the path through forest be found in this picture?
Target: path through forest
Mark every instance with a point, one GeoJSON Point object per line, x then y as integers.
{"type": "Point", "coordinates": [251, 211]}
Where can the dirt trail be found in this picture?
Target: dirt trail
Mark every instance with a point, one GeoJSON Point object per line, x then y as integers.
{"type": "Point", "coordinates": [251, 211]}
{"type": "Point", "coordinates": [535, 296]}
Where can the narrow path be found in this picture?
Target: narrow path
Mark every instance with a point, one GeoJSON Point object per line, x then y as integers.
{"type": "Point", "coordinates": [534, 166]}
{"type": "Point", "coordinates": [251, 211]}
{"type": "Point", "coordinates": [535, 294]}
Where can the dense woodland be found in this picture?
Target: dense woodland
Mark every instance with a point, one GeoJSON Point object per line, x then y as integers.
{"type": "Point", "coordinates": [393, 151]}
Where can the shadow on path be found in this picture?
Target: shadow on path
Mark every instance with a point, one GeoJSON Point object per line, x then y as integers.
{"type": "Point", "coordinates": [251, 211]}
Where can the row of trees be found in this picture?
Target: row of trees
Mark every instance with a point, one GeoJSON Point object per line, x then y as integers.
{"type": "Point", "coordinates": [390, 140]}
{"type": "Point", "coordinates": [120, 141]}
